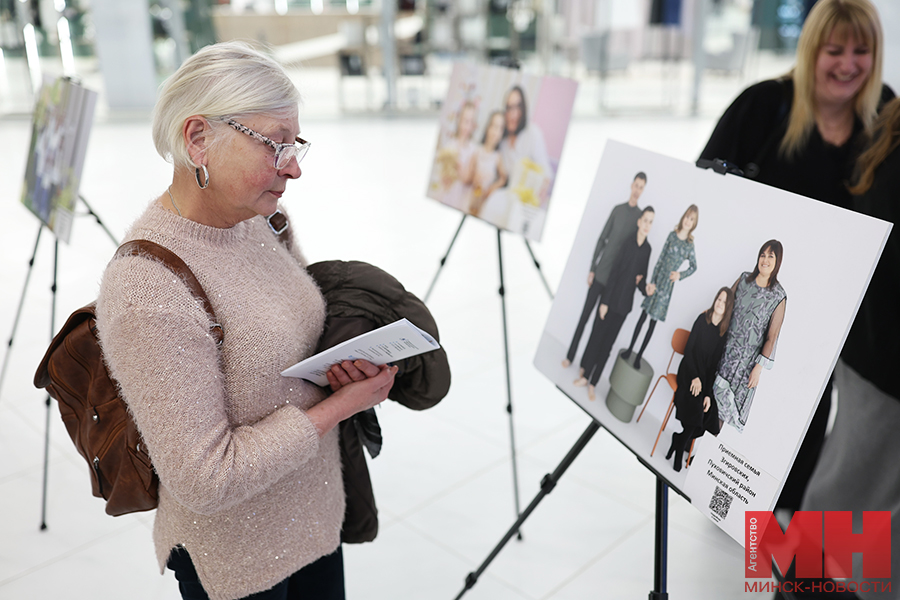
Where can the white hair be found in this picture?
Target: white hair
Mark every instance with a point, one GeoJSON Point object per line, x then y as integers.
{"type": "Point", "coordinates": [223, 80]}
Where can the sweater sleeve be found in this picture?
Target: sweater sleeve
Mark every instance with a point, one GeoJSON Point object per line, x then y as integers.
{"type": "Point", "coordinates": [156, 342]}
{"type": "Point", "coordinates": [692, 263]}
{"type": "Point", "coordinates": [643, 266]}
{"type": "Point", "coordinates": [603, 239]}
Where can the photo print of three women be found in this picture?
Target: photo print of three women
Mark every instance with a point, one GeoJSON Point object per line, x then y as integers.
{"type": "Point", "coordinates": [763, 285]}
{"type": "Point", "coordinates": [500, 140]}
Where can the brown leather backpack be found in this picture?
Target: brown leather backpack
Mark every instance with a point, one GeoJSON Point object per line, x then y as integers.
{"type": "Point", "coordinates": [98, 421]}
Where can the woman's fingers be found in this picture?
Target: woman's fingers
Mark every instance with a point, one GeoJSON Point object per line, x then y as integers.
{"type": "Point", "coordinates": [340, 374]}
{"type": "Point", "coordinates": [352, 371]}
{"type": "Point", "coordinates": [367, 368]}
{"type": "Point", "coordinates": [333, 381]}
{"type": "Point", "coordinates": [374, 390]}
{"type": "Point", "coordinates": [384, 379]}
{"type": "Point", "coordinates": [349, 371]}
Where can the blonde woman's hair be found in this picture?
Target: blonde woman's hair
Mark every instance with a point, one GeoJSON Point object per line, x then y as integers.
{"type": "Point", "coordinates": [223, 80]}
{"type": "Point", "coordinates": [885, 138]}
{"type": "Point", "coordinates": [845, 17]}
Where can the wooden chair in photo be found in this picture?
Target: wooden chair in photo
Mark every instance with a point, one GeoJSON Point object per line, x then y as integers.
{"type": "Point", "coordinates": [679, 341]}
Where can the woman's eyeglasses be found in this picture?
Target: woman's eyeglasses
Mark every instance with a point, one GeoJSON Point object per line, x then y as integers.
{"type": "Point", "coordinates": [283, 152]}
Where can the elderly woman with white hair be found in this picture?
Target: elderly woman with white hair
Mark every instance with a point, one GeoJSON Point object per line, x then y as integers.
{"type": "Point", "coordinates": [251, 499]}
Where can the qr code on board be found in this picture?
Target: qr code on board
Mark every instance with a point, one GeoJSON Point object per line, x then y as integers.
{"type": "Point", "coordinates": [720, 502]}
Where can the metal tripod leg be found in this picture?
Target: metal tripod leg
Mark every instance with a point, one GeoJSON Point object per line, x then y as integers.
{"type": "Point", "coordinates": [48, 401]}
{"type": "Point", "coordinates": [660, 571]}
{"type": "Point", "coordinates": [509, 407]}
{"type": "Point", "coordinates": [12, 336]}
{"type": "Point", "coordinates": [99, 221]}
{"type": "Point", "coordinates": [547, 484]}
{"type": "Point", "coordinates": [444, 258]}
{"type": "Point", "coordinates": [538, 267]}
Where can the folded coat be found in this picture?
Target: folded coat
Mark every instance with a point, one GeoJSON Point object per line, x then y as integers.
{"type": "Point", "coordinates": [361, 297]}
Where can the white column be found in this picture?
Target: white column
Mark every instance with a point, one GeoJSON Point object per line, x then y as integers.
{"type": "Point", "coordinates": [389, 51]}
{"type": "Point", "coordinates": [125, 51]}
{"type": "Point", "coordinates": [889, 11]}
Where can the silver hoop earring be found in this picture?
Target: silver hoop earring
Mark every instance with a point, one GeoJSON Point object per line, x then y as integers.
{"type": "Point", "coordinates": [205, 184]}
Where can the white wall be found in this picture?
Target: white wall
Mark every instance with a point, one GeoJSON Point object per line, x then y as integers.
{"type": "Point", "coordinates": [889, 10]}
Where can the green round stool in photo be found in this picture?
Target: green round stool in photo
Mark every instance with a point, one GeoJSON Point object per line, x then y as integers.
{"type": "Point", "coordinates": [627, 387]}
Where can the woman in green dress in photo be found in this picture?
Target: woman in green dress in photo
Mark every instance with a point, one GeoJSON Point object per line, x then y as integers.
{"type": "Point", "coordinates": [679, 247]}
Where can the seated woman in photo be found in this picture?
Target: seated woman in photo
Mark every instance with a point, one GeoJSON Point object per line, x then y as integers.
{"type": "Point", "coordinates": [694, 407]}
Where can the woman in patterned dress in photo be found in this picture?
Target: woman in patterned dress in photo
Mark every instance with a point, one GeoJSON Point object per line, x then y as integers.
{"type": "Point", "coordinates": [759, 305]}
{"type": "Point", "coordinates": [679, 247]}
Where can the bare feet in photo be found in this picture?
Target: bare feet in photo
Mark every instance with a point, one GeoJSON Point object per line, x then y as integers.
{"type": "Point", "coordinates": [580, 382]}
{"type": "Point", "coordinates": [591, 395]}
{"type": "Point", "coordinates": [566, 363]}
{"type": "Point", "coordinates": [581, 372]}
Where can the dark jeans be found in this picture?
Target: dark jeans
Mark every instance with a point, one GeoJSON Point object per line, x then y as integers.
{"type": "Point", "coordinates": [591, 303]}
{"type": "Point", "coordinates": [321, 580]}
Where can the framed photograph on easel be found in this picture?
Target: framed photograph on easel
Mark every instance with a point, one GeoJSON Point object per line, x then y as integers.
{"type": "Point", "coordinates": [698, 319]}
{"type": "Point", "coordinates": [61, 126]}
{"type": "Point", "coordinates": [499, 146]}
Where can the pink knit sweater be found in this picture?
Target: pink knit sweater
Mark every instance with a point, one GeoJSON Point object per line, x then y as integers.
{"type": "Point", "coordinates": [247, 487]}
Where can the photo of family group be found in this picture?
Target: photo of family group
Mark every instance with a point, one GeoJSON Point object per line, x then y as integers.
{"type": "Point", "coordinates": [672, 326]}
{"type": "Point", "coordinates": [62, 121]}
{"type": "Point", "coordinates": [499, 145]}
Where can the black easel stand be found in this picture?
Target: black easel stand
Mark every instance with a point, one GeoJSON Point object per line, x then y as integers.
{"type": "Point", "coordinates": [37, 240]}
{"type": "Point", "coordinates": [91, 212]}
{"type": "Point", "coordinates": [547, 484]}
{"type": "Point", "coordinates": [443, 261]}
{"type": "Point", "coordinates": [502, 292]}
{"type": "Point", "coordinates": [47, 401]}
{"type": "Point", "coordinates": [660, 574]}
{"type": "Point", "coordinates": [444, 258]}
{"type": "Point", "coordinates": [537, 265]}
{"type": "Point", "coordinates": [53, 290]}
{"type": "Point", "coordinates": [509, 408]}
{"type": "Point", "coordinates": [19, 309]}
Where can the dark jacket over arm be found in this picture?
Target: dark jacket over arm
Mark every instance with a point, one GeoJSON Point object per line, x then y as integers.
{"type": "Point", "coordinates": [360, 298]}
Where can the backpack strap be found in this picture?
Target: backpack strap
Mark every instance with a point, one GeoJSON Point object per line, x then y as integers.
{"type": "Point", "coordinates": [175, 264]}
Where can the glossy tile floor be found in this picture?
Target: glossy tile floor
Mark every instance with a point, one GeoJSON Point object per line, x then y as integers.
{"type": "Point", "coordinates": [444, 481]}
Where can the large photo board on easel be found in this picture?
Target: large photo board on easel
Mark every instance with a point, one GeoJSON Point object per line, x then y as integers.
{"type": "Point", "coordinates": [61, 126]}
{"type": "Point", "coordinates": [499, 145]}
{"type": "Point", "coordinates": [763, 367]}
